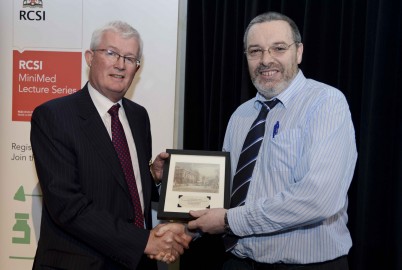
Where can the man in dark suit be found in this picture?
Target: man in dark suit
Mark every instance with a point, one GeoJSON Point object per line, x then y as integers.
{"type": "Point", "coordinates": [88, 212]}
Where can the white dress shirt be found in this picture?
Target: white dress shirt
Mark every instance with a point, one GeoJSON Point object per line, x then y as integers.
{"type": "Point", "coordinates": [103, 104]}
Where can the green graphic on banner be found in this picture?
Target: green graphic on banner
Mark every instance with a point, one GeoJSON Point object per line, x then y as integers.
{"type": "Point", "coordinates": [21, 258]}
{"type": "Point", "coordinates": [21, 225]}
{"type": "Point", "coordinates": [20, 195]}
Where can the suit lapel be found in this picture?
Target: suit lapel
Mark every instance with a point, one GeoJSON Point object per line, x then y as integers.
{"type": "Point", "coordinates": [94, 128]}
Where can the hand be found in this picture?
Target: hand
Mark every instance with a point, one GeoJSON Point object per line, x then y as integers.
{"type": "Point", "coordinates": [167, 242]}
{"type": "Point", "coordinates": [157, 166]}
{"type": "Point", "coordinates": [209, 220]}
{"type": "Point", "coordinates": [182, 235]}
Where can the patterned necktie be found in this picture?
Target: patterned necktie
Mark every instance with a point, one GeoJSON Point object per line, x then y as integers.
{"type": "Point", "coordinates": [246, 163]}
{"type": "Point", "coordinates": [120, 144]}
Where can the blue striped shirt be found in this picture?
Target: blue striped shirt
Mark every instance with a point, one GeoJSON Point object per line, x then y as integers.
{"type": "Point", "coordinates": [295, 210]}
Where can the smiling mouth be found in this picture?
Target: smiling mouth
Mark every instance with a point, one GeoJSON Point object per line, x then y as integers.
{"type": "Point", "coordinates": [269, 73]}
{"type": "Point", "coordinates": [117, 76]}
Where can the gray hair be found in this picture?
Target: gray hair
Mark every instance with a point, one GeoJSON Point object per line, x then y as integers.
{"type": "Point", "coordinates": [124, 29]}
{"type": "Point", "coordinates": [273, 16]}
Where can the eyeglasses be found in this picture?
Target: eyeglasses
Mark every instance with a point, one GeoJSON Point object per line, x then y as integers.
{"type": "Point", "coordinates": [112, 55]}
{"type": "Point", "coordinates": [274, 51]}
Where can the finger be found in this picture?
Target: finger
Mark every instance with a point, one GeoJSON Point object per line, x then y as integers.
{"type": "Point", "coordinates": [159, 256]}
{"type": "Point", "coordinates": [174, 249]}
{"type": "Point", "coordinates": [172, 259]}
{"type": "Point", "coordinates": [173, 256]}
{"type": "Point", "coordinates": [163, 155]}
{"type": "Point", "coordinates": [169, 259]}
{"type": "Point", "coordinates": [177, 228]}
{"type": "Point", "coordinates": [160, 159]}
{"type": "Point", "coordinates": [177, 249]}
{"type": "Point", "coordinates": [198, 213]}
{"type": "Point", "coordinates": [160, 230]}
{"type": "Point", "coordinates": [183, 240]}
{"type": "Point", "coordinates": [192, 225]}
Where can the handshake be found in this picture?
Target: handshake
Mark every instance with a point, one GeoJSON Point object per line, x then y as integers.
{"type": "Point", "coordinates": [167, 242]}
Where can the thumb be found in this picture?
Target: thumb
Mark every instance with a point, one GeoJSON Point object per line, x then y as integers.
{"type": "Point", "coordinates": [160, 230]}
{"type": "Point", "coordinates": [198, 213]}
{"type": "Point", "coordinates": [192, 225]}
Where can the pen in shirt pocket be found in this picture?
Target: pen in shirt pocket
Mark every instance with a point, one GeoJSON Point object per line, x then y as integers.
{"type": "Point", "coordinates": [276, 128]}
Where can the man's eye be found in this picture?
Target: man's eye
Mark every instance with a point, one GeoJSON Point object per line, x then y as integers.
{"type": "Point", "coordinates": [278, 49]}
{"type": "Point", "coordinates": [110, 53]}
{"type": "Point", "coordinates": [130, 59]}
{"type": "Point", "coordinates": [254, 51]}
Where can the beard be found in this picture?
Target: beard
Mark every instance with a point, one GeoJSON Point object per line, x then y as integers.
{"type": "Point", "coordinates": [270, 88]}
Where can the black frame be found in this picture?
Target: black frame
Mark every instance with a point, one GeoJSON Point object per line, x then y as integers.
{"type": "Point", "coordinates": [199, 193]}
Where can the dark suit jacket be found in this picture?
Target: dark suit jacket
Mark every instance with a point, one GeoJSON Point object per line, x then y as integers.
{"type": "Point", "coordinates": [87, 212]}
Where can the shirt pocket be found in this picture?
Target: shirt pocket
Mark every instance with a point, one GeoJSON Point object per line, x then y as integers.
{"type": "Point", "coordinates": [284, 150]}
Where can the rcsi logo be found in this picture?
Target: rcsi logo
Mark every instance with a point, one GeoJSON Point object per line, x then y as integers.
{"type": "Point", "coordinates": [32, 15]}
{"type": "Point", "coordinates": [33, 3]}
{"type": "Point", "coordinates": [30, 65]}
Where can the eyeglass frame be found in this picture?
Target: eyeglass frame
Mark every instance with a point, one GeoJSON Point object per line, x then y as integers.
{"type": "Point", "coordinates": [285, 49]}
{"type": "Point", "coordinates": [117, 56]}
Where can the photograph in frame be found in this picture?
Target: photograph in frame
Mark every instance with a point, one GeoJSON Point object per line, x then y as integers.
{"type": "Point", "coordinates": [193, 180]}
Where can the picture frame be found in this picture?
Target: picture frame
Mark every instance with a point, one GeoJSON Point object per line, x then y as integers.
{"type": "Point", "coordinates": [193, 180]}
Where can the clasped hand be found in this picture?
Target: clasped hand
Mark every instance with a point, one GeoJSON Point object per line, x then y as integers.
{"type": "Point", "coordinates": [167, 242]}
{"type": "Point", "coordinates": [208, 220]}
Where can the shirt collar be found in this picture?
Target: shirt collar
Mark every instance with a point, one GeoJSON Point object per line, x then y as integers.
{"type": "Point", "coordinates": [102, 103]}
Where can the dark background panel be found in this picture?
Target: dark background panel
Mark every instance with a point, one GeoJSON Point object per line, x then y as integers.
{"type": "Point", "coordinates": [353, 45]}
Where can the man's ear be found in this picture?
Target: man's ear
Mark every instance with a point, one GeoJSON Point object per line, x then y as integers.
{"type": "Point", "coordinates": [137, 68]}
{"type": "Point", "coordinates": [299, 53]}
{"type": "Point", "coordinates": [88, 57]}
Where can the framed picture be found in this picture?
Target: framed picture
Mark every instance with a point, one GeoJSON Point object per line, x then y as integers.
{"type": "Point", "coordinates": [193, 180]}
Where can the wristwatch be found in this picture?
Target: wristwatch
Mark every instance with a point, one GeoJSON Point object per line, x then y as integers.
{"type": "Point", "coordinates": [226, 226]}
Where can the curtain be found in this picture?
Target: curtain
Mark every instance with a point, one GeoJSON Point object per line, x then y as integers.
{"type": "Point", "coordinates": [353, 45]}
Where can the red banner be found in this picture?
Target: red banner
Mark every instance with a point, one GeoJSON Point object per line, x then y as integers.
{"type": "Point", "coordinates": [39, 76]}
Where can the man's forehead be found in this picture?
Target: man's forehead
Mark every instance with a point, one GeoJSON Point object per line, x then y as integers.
{"type": "Point", "coordinates": [116, 40]}
{"type": "Point", "coordinates": [273, 31]}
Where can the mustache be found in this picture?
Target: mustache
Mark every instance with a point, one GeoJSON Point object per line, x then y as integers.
{"type": "Point", "coordinates": [261, 67]}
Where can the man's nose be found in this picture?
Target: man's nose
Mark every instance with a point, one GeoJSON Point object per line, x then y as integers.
{"type": "Point", "coordinates": [266, 57]}
{"type": "Point", "coordinates": [120, 63]}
